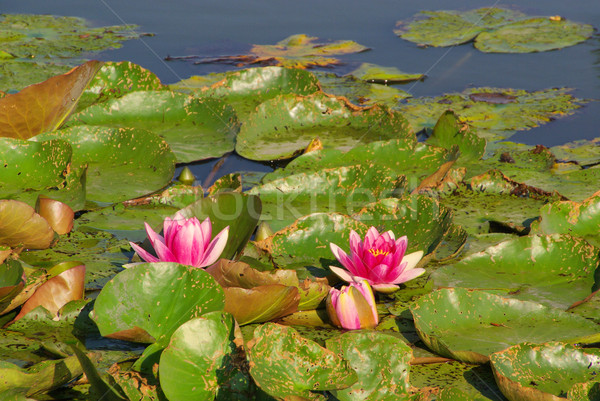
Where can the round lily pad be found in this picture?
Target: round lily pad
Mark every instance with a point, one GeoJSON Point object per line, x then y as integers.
{"type": "Point", "coordinates": [533, 35]}
{"type": "Point", "coordinates": [195, 129]}
{"type": "Point", "coordinates": [548, 371]}
{"type": "Point", "coordinates": [554, 270]}
{"type": "Point", "coordinates": [123, 163]}
{"type": "Point", "coordinates": [470, 325]}
{"type": "Point", "coordinates": [283, 126]}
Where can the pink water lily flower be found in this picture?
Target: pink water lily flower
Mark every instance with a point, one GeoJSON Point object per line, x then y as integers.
{"type": "Point", "coordinates": [380, 260]}
{"type": "Point", "coordinates": [353, 307]}
{"type": "Point", "coordinates": [185, 241]}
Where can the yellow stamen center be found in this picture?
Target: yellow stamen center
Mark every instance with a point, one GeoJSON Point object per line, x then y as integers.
{"type": "Point", "coordinates": [377, 252]}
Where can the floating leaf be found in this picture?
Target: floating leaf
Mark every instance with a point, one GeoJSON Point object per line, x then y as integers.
{"type": "Point", "coordinates": [58, 291]}
{"type": "Point", "coordinates": [291, 122]}
{"type": "Point", "coordinates": [299, 51]}
{"type": "Point", "coordinates": [449, 28]}
{"type": "Point", "coordinates": [360, 92]}
{"type": "Point", "coordinates": [494, 30]}
{"type": "Point", "coordinates": [581, 219]}
{"type": "Point", "coordinates": [156, 298]}
{"type": "Point", "coordinates": [57, 214]}
{"type": "Point", "coordinates": [381, 362]}
{"type": "Point", "coordinates": [38, 378]}
{"type": "Point", "coordinates": [246, 89]}
{"type": "Point", "coordinates": [493, 121]}
{"type": "Point", "coordinates": [556, 270]}
{"type": "Point", "coordinates": [32, 166]}
{"type": "Point", "coordinates": [470, 325]}
{"type": "Point", "coordinates": [341, 189]}
{"type": "Point", "coordinates": [45, 106]}
{"type": "Point", "coordinates": [12, 281]}
{"type": "Point", "coordinates": [40, 45]}
{"type": "Point", "coordinates": [123, 163]}
{"type": "Point", "coordinates": [198, 358]}
{"type": "Point", "coordinates": [20, 225]}
{"type": "Point", "coordinates": [384, 75]}
{"type": "Point", "coordinates": [195, 129]}
{"type": "Point", "coordinates": [284, 364]}
{"type": "Point", "coordinates": [543, 371]}
{"type": "Point", "coordinates": [533, 35]}
{"type": "Point", "coordinates": [450, 131]}
{"type": "Point", "coordinates": [261, 303]}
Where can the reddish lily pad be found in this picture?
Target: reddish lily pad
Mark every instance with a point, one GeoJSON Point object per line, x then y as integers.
{"type": "Point", "coordinates": [45, 106]}
{"type": "Point", "coordinates": [59, 215]}
{"type": "Point", "coordinates": [58, 291]}
{"type": "Point", "coordinates": [20, 225]}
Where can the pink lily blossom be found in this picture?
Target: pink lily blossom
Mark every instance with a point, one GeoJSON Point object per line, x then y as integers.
{"type": "Point", "coordinates": [380, 259]}
{"type": "Point", "coordinates": [353, 307]}
{"type": "Point", "coordinates": [185, 241]}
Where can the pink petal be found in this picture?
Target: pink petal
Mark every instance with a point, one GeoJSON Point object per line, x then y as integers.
{"type": "Point", "coordinates": [385, 288]}
{"type": "Point", "coordinates": [356, 247]}
{"type": "Point", "coordinates": [153, 236]}
{"type": "Point", "coordinates": [342, 256]}
{"type": "Point", "coordinates": [185, 245]}
{"type": "Point", "coordinates": [412, 259]}
{"type": "Point", "coordinates": [148, 257]}
{"type": "Point", "coordinates": [342, 273]}
{"type": "Point", "coordinates": [346, 311]}
{"type": "Point", "coordinates": [408, 275]}
{"type": "Point", "coordinates": [378, 273]}
{"type": "Point", "coordinates": [206, 230]}
{"type": "Point", "coordinates": [215, 248]}
{"type": "Point", "coordinates": [402, 243]}
{"type": "Point", "coordinates": [164, 253]}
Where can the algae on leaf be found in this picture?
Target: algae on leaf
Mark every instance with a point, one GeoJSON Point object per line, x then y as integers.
{"type": "Point", "coordinates": [494, 30]}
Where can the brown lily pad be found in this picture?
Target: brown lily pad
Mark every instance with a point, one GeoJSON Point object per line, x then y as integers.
{"type": "Point", "coordinates": [20, 225]}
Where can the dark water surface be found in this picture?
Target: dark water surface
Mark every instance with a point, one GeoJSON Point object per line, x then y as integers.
{"type": "Point", "coordinates": [225, 27]}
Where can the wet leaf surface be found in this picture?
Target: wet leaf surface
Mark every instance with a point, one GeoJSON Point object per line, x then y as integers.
{"type": "Point", "coordinates": [470, 325]}
{"type": "Point", "coordinates": [519, 369]}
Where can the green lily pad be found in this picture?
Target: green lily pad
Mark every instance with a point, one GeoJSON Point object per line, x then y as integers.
{"type": "Point", "coordinates": [239, 212]}
{"type": "Point", "coordinates": [340, 189]}
{"type": "Point", "coordinates": [102, 254]}
{"type": "Point", "coordinates": [115, 79]}
{"type": "Point", "coordinates": [556, 270]}
{"type": "Point", "coordinates": [384, 75]}
{"type": "Point", "coordinates": [449, 28]}
{"type": "Point", "coordinates": [543, 371]}
{"type": "Point", "coordinates": [32, 166]}
{"type": "Point", "coordinates": [576, 218]}
{"type": "Point", "coordinates": [360, 92]}
{"type": "Point", "coordinates": [12, 281]}
{"type": "Point", "coordinates": [449, 132]}
{"type": "Point", "coordinates": [307, 240]}
{"type": "Point", "coordinates": [533, 35]}
{"type": "Point", "coordinates": [283, 126]}
{"type": "Point", "coordinates": [492, 120]}
{"type": "Point", "coordinates": [20, 225]}
{"type": "Point", "coordinates": [494, 30]}
{"type": "Point", "coordinates": [37, 47]}
{"type": "Point", "coordinates": [198, 358]}
{"type": "Point", "coordinates": [142, 297]}
{"type": "Point", "coordinates": [246, 89]}
{"type": "Point", "coordinates": [126, 222]}
{"type": "Point", "coordinates": [470, 325]}
{"type": "Point", "coordinates": [584, 391]}
{"type": "Point", "coordinates": [381, 362]}
{"type": "Point", "coordinates": [123, 163]}
{"type": "Point", "coordinates": [284, 364]}
{"type": "Point", "coordinates": [39, 378]}
{"type": "Point", "coordinates": [583, 152]}
{"type": "Point", "coordinates": [195, 129]}
{"type": "Point", "coordinates": [415, 161]}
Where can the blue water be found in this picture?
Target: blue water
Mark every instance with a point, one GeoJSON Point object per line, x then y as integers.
{"type": "Point", "coordinates": [216, 27]}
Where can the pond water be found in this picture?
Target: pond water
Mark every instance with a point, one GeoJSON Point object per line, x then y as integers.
{"type": "Point", "coordinates": [227, 27]}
